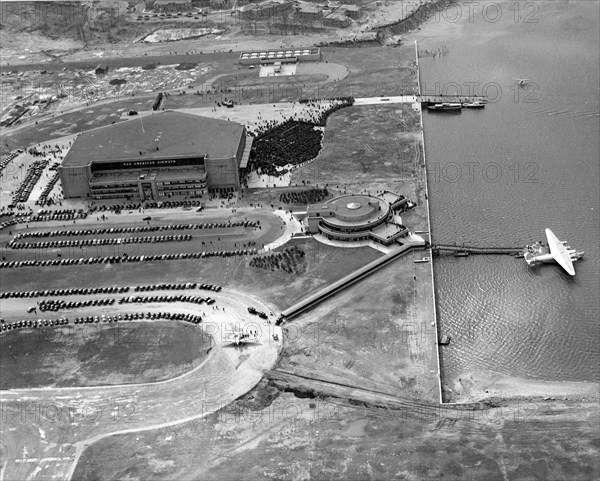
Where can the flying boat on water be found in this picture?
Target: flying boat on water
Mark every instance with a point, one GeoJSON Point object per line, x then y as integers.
{"type": "Point", "coordinates": [554, 251]}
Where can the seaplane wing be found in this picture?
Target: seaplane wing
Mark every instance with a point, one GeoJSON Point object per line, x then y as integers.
{"type": "Point", "coordinates": [559, 252]}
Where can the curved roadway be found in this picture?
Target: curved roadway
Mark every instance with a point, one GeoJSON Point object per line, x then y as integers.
{"type": "Point", "coordinates": [48, 429]}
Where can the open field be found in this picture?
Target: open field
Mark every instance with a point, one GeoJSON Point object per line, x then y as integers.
{"type": "Point", "coordinates": [376, 334]}
{"type": "Point", "coordinates": [363, 72]}
{"type": "Point", "coordinates": [268, 434]}
{"type": "Point", "coordinates": [100, 355]}
{"type": "Point", "coordinates": [370, 148]}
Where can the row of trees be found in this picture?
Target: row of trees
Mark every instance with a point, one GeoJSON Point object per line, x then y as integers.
{"type": "Point", "coordinates": [311, 196]}
{"type": "Point", "coordinates": [291, 260]}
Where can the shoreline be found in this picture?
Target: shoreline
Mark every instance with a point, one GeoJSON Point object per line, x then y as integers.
{"type": "Point", "coordinates": [474, 386]}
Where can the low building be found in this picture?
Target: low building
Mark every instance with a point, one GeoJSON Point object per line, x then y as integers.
{"type": "Point", "coordinates": [355, 217]}
{"type": "Point", "coordinates": [156, 157]}
{"type": "Point", "coordinates": [164, 6]}
{"type": "Point", "coordinates": [265, 57]}
{"type": "Point", "coordinates": [351, 11]}
{"type": "Point", "coordinates": [309, 13]}
{"type": "Point", "coordinates": [101, 69]}
{"type": "Point", "coordinates": [265, 10]}
{"type": "Point", "coordinates": [337, 20]}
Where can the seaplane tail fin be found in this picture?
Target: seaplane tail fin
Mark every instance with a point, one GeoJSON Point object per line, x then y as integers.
{"type": "Point", "coordinates": [559, 252]}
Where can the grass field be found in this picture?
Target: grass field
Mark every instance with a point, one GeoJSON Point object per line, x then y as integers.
{"type": "Point", "coordinates": [368, 148]}
{"type": "Point", "coordinates": [100, 354]}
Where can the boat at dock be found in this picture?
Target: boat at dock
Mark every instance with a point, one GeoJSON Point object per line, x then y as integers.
{"type": "Point", "coordinates": [445, 340]}
{"type": "Point", "coordinates": [453, 106]}
{"type": "Point", "coordinates": [473, 105]}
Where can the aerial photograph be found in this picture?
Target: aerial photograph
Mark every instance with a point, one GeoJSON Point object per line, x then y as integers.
{"type": "Point", "coordinates": [300, 240]}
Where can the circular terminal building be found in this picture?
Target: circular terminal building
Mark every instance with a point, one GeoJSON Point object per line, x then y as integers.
{"type": "Point", "coordinates": [358, 217]}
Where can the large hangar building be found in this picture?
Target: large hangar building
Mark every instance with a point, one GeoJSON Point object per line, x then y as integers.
{"type": "Point", "coordinates": [167, 155]}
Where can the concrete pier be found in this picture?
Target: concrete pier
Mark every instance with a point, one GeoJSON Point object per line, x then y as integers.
{"type": "Point", "coordinates": [429, 228]}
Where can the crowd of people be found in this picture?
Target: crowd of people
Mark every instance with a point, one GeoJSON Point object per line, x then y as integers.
{"type": "Point", "coordinates": [125, 258]}
{"type": "Point", "coordinates": [293, 141]}
{"type": "Point", "coordinates": [58, 244]}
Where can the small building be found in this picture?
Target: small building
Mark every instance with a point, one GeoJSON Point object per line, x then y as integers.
{"type": "Point", "coordinates": [351, 11]}
{"type": "Point", "coordinates": [163, 6]}
{"type": "Point", "coordinates": [101, 69]}
{"type": "Point", "coordinates": [337, 20]}
{"type": "Point", "coordinates": [265, 10]}
{"type": "Point", "coordinates": [358, 217]}
{"type": "Point", "coordinates": [283, 56]}
{"type": "Point", "coordinates": [309, 13]}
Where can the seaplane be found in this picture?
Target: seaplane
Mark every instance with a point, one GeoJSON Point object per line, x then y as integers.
{"type": "Point", "coordinates": [521, 82]}
{"type": "Point", "coordinates": [554, 251]}
{"type": "Point", "coordinates": [239, 338]}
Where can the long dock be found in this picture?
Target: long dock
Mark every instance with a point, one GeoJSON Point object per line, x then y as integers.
{"type": "Point", "coordinates": [436, 99]}
{"type": "Point", "coordinates": [335, 287]}
{"type": "Point", "coordinates": [464, 249]}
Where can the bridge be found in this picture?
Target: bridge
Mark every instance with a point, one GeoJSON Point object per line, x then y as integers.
{"type": "Point", "coordinates": [467, 250]}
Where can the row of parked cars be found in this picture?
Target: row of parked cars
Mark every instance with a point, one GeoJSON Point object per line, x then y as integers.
{"type": "Point", "coordinates": [8, 158]}
{"type": "Point", "coordinates": [8, 326]}
{"type": "Point", "coordinates": [125, 258]}
{"type": "Point", "coordinates": [75, 291]}
{"type": "Point", "coordinates": [133, 230]}
{"type": "Point", "coordinates": [165, 298]}
{"type": "Point", "coordinates": [57, 304]}
{"type": "Point", "coordinates": [34, 172]}
{"type": "Point", "coordinates": [59, 244]}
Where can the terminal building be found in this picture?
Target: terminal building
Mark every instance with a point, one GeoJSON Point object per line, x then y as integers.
{"type": "Point", "coordinates": [269, 57]}
{"type": "Point", "coordinates": [357, 217]}
{"type": "Point", "coordinates": [167, 155]}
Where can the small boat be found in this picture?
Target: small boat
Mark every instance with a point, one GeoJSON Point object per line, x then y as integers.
{"type": "Point", "coordinates": [446, 106]}
{"type": "Point", "coordinates": [473, 105]}
{"type": "Point", "coordinates": [445, 340]}
{"type": "Point", "coordinates": [461, 254]}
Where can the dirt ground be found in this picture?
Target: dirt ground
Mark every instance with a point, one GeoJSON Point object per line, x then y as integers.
{"type": "Point", "coordinates": [272, 435]}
